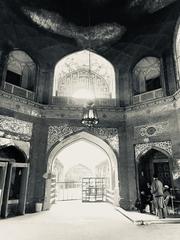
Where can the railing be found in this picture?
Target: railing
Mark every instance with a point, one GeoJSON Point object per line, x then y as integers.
{"type": "Point", "coordinates": [16, 90]}
{"type": "Point", "coordinates": [69, 101]}
{"type": "Point", "coordinates": [68, 191]}
{"type": "Point", "coordinates": [148, 96]}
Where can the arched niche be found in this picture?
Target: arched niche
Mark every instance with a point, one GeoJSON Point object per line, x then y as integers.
{"type": "Point", "coordinates": [20, 70]}
{"type": "Point", "coordinates": [14, 174]}
{"type": "Point", "coordinates": [84, 75]}
{"type": "Point", "coordinates": [176, 49]}
{"type": "Point", "coordinates": [114, 185]}
{"type": "Point", "coordinates": [153, 160]}
{"type": "Point", "coordinates": [146, 75]}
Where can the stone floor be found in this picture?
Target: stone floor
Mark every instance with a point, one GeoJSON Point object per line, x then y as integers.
{"type": "Point", "coordinates": [83, 221]}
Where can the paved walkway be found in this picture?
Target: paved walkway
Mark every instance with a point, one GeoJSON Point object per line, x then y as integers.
{"type": "Point", "coordinates": [142, 218]}
{"type": "Point", "coordinates": [83, 221]}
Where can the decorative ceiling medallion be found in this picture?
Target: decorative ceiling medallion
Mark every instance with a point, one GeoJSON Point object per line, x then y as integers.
{"type": "Point", "coordinates": [53, 22]}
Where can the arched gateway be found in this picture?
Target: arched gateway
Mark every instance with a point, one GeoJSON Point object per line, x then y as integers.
{"type": "Point", "coordinates": [113, 191]}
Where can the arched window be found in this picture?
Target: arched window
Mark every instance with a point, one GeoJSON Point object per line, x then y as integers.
{"type": "Point", "coordinates": [84, 75]}
{"type": "Point", "coordinates": [146, 75]}
{"type": "Point", "coordinates": [177, 51]}
{"type": "Point", "coordinates": [21, 70]}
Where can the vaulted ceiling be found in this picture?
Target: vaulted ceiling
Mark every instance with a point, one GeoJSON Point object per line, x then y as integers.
{"type": "Point", "coordinates": [120, 30]}
{"type": "Point", "coordinates": [124, 12]}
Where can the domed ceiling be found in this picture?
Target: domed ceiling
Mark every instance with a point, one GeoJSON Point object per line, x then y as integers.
{"type": "Point", "coordinates": [100, 21]}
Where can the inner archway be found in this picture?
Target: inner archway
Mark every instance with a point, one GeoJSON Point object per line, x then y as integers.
{"type": "Point", "coordinates": [81, 161]}
{"type": "Point", "coordinates": [154, 162]}
{"type": "Point", "coordinates": [95, 158]}
{"type": "Point", "coordinates": [14, 172]}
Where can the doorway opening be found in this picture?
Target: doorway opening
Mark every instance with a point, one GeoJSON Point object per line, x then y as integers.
{"type": "Point", "coordinates": [14, 172]}
{"type": "Point", "coordinates": [81, 171]}
{"type": "Point", "coordinates": [154, 162]}
{"type": "Point", "coordinates": [82, 167]}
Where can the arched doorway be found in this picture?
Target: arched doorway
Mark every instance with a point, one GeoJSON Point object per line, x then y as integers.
{"type": "Point", "coordinates": [152, 162]}
{"type": "Point", "coordinates": [14, 171]}
{"type": "Point", "coordinates": [100, 146]}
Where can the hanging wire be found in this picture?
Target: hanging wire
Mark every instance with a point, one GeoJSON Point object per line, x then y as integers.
{"type": "Point", "coordinates": [90, 116]}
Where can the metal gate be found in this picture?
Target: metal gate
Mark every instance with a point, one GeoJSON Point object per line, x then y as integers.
{"type": "Point", "coordinates": [68, 191]}
{"type": "Point", "coordinates": [93, 189]}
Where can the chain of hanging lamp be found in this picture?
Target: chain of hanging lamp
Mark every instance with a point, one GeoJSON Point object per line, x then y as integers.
{"type": "Point", "coordinates": [90, 116]}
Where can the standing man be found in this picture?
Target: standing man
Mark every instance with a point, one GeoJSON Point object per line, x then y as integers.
{"type": "Point", "coordinates": [158, 196]}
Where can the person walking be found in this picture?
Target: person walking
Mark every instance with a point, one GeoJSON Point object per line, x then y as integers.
{"type": "Point", "coordinates": [158, 196]}
{"type": "Point", "coordinates": [167, 197]}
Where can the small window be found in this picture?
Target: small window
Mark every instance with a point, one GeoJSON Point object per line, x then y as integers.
{"type": "Point", "coordinates": [13, 78]}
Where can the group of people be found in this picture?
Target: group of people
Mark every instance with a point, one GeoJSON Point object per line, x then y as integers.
{"type": "Point", "coordinates": [154, 198]}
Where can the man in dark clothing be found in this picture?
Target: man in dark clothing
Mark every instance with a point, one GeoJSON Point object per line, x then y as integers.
{"type": "Point", "coordinates": [149, 197]}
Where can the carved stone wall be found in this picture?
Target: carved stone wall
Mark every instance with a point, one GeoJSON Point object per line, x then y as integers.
{"type": "Point", "coordinates": [58, 133]}
{"type": "Point", "coordinates": [12, 128]}
{"type": "Point", "coordinates": [150, 130]}
{"type": "Point", "coordinates": [143, 148]}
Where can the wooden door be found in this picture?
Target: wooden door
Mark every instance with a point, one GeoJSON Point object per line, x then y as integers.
{"type": "Point", "coordinates": [162, 170]}
{"type": "Point", "coordinates": [23, 188]}
{"type": "Point", "coordinates": [3, 170]}
{"type": "Point", "coordinates": [15, 192]}
{"type": "Point", "coordinates": [4, 208]}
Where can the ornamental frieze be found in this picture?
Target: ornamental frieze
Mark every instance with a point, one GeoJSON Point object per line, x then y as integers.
{"type": "Point", "coordinates": [14, 128]}
{"type": "Point", "coordinates": [141, 149]}
{"type": "Point", "coordinates": [150, 130]}
{"type": "Point", "coordinates": [58, 133]}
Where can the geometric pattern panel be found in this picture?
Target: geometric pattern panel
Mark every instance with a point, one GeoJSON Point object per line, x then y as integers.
{"type": "Point", "coordinates": [151, 130]}
{"type": "Point", "coordinates": [141, 149]}
{"type": "Point", "coordinates": [12, 128]}
{"type": "Point", "coordinates": [58, 133]}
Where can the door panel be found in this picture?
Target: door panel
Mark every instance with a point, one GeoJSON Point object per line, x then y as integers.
{"type": "Point", "coordinates": [4, 209]}
{"type": "Point", "coordinates": [162, 170]}
{"type": "Point", "coordinates": [3, 170]}
{"type": "Point", "coordinates": [23, 189]}
{"type": "Point", "coordinates": [14, 199]}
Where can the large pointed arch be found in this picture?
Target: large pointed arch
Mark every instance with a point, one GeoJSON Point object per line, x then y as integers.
{"type": "Point", "coordinates": [85, 72]}
{"type": "Point", "coordinates": [176, 49]}
{"type": "Point", "coordinates": [114, 186]}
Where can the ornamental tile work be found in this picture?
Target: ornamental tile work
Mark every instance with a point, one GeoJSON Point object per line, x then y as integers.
{"type": "Point", "coordinates": [12, 128]}
{"type": "Point", "coordinates": [143, 148]}
{"type": "Point", "coordinates": [151, 130]}
{"type": "Point", "coordinates": [58, 133]}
